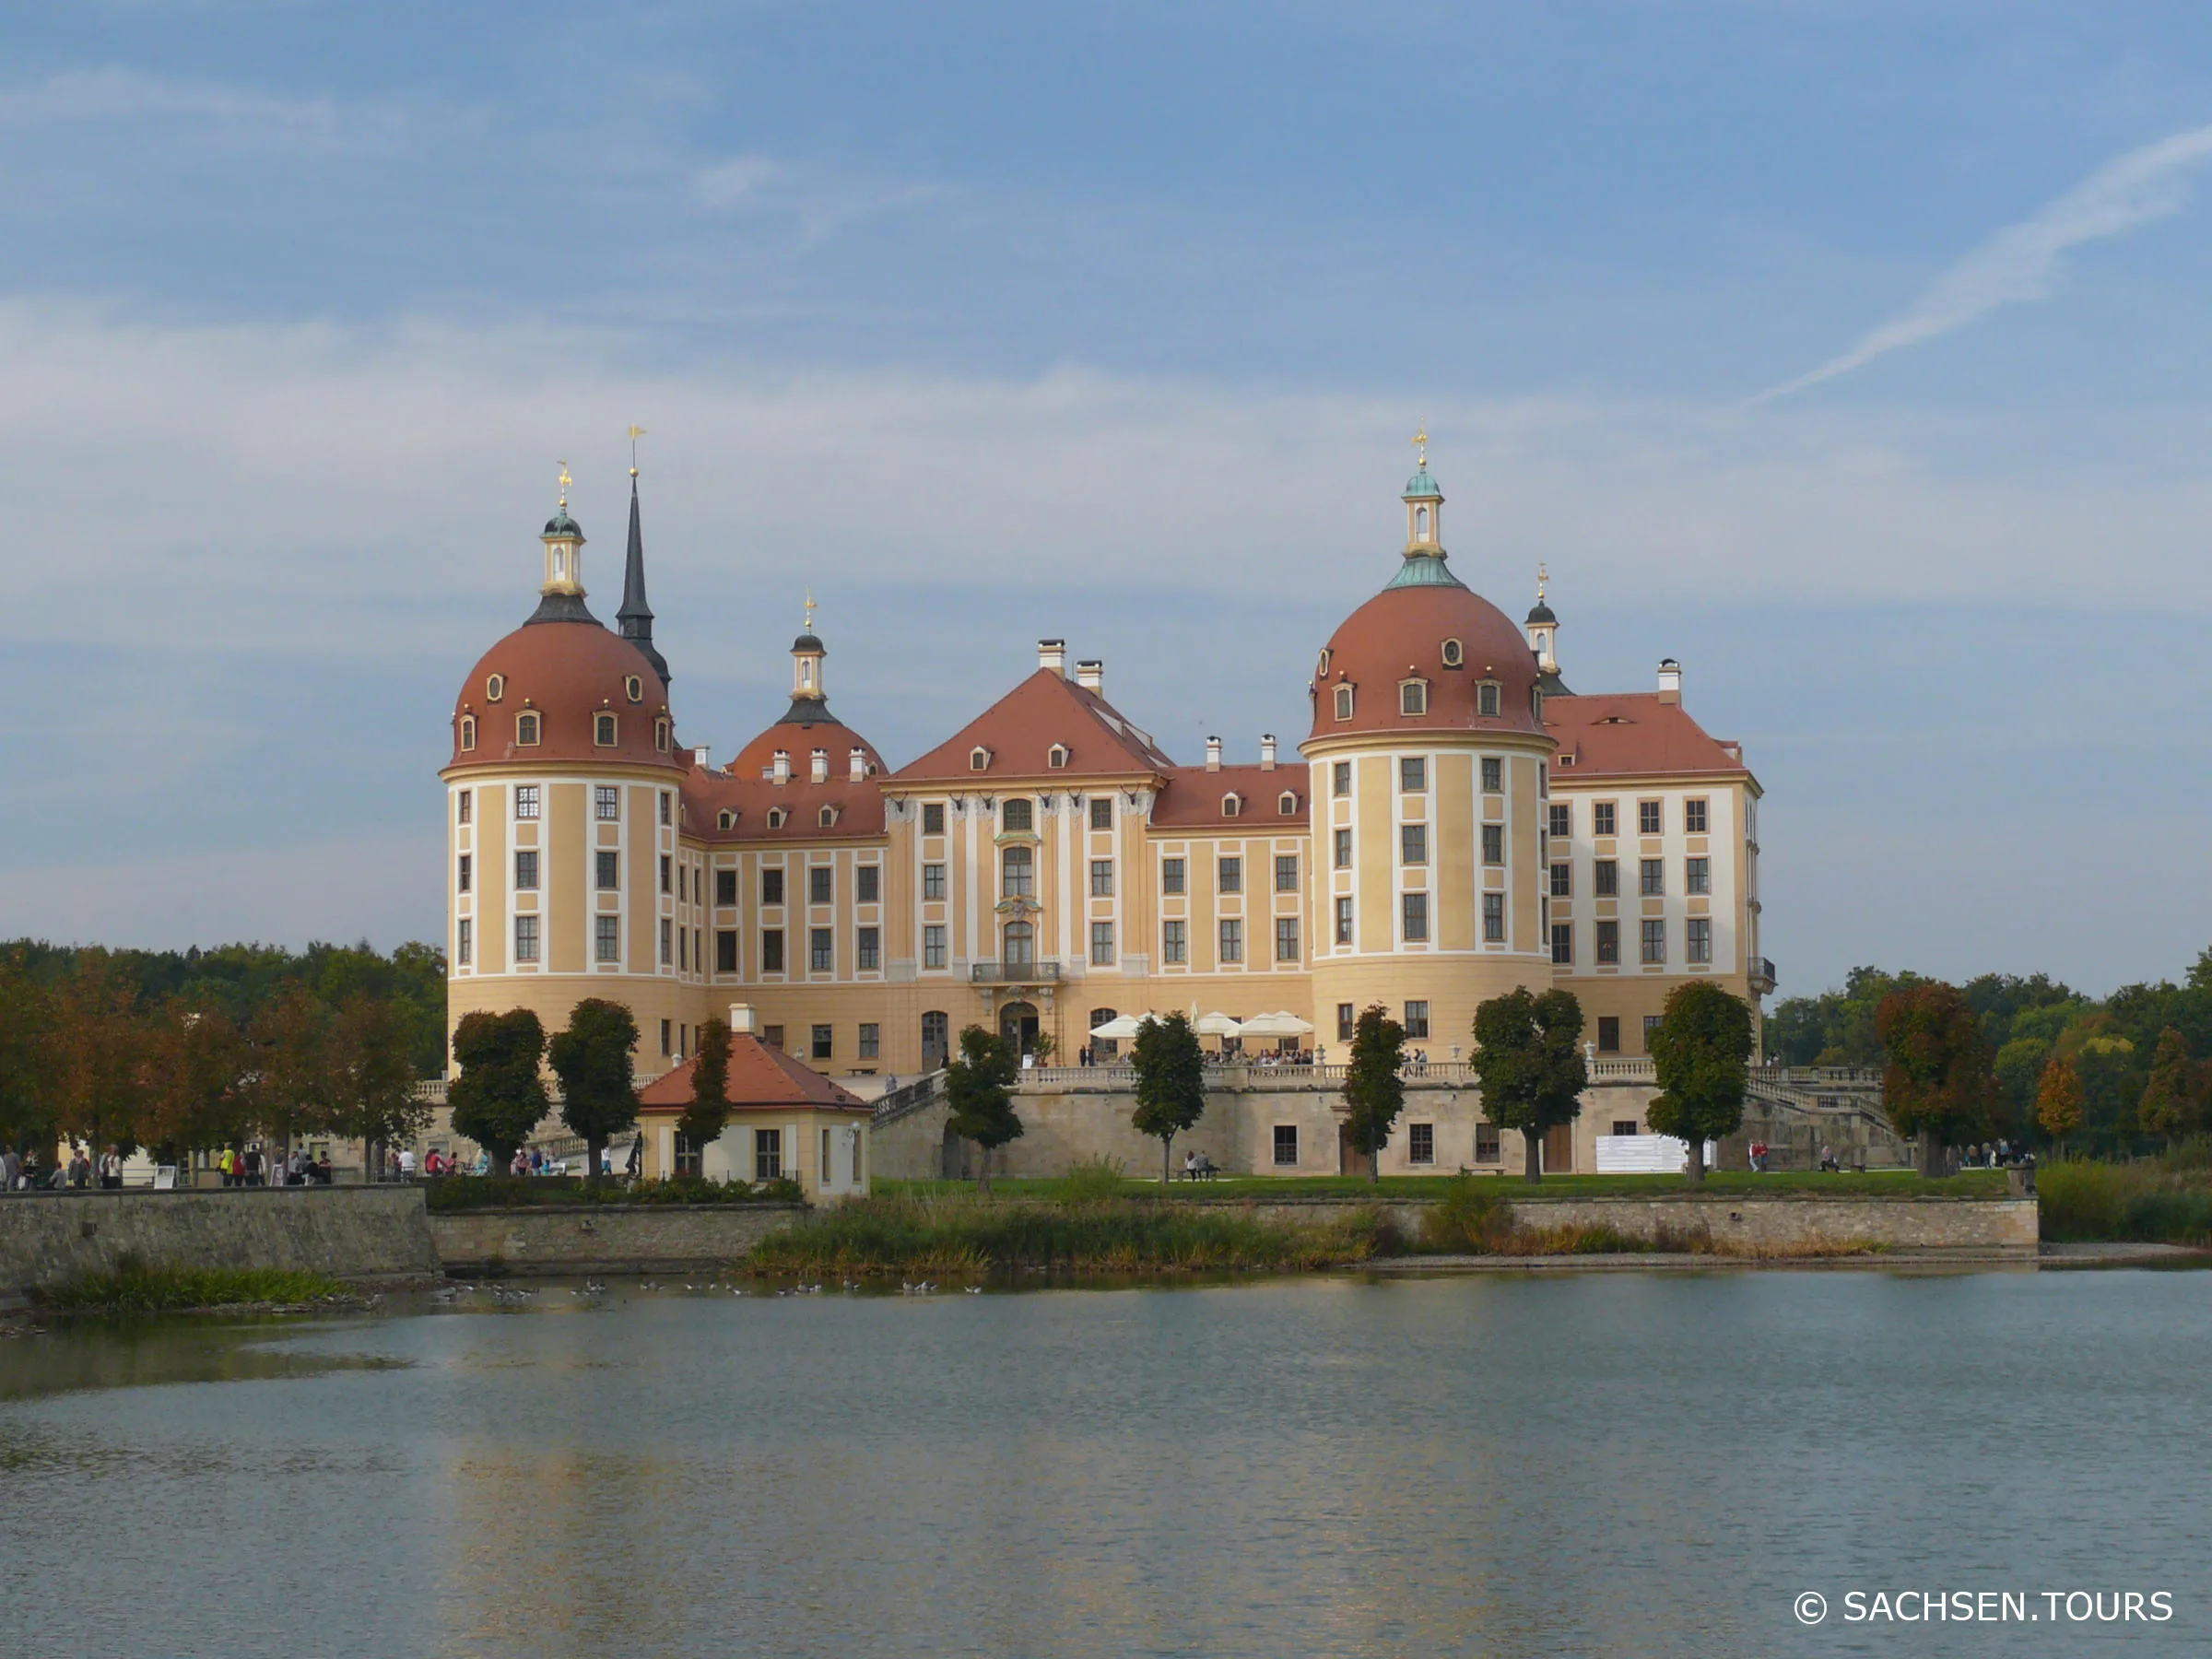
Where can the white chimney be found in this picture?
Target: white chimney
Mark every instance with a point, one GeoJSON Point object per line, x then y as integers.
{"type": "Point", "coordinates": [781, 770]}
{"type": "Point", "coordinates": [1092, 676]}
{"type": "Point", "coordinates": [703, 758]}
{"type": "Point", "coordinates": [1052, 654]}
{"type": "Point", "coordinates": [1267, 752]}
{"type": "Point", "coordinates": [1670, 680]}
{"type": "Point", "coordinates": [860, 765]}
{"type": "Point", "coordinates": [1213, 754]}
{"type": "Point", "coordinates": [818, 769]}
{"type": "Point", "coordinates": [741, 1020]}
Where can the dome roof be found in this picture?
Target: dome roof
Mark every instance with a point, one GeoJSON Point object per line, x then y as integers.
{"type": "Point", "coordinates": [807, 641]}
{"type": "Point", "coordinates": [1423, 485]}
{"type": "Point", "coordinates": [561, 523]}
{"type": "Point", "coordinates": [743, 789]}
{"type": "Point", "coordinates": [1400, 634]}
{"type": "Point", "coordinates": [1541, 613]}
{"type": "Point", "coordinates": [566, 672]}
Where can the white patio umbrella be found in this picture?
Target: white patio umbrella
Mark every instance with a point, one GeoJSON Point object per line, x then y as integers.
{"type": "Point", "coordinates": [1281, 1024]}
{"type": "Point", "coordinates": [1217, 1025]}
{"type": "Point", "coordinates": [1120, 1028]}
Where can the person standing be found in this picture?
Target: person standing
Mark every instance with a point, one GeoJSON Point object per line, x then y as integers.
{"type": "Point", "coordinates": [111, 1169]}
{"type": "Point", "coordinates": [9, 1169]}
{"type": "Point", "coordinates": [406, 1164]}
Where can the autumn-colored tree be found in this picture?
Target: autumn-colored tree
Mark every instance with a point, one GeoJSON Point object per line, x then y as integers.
{"type": "Point", "coordinates": [101, 1060]}
{"type": "Point", "coordinates": [2173, 1103]}
{"type": "Point", "coordinates": [1939, 1084]}
{"type": "Point", "coordinates": [295, 1087]}
{"type": "Point", "coordinates": [372, 1075]}
{"type": "Point", "coordinates": [200, 1097]}
{"type": "Point", "coordinates": [2058, 1100]}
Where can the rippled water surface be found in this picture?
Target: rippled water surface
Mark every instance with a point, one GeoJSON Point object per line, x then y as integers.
{"type": "Point", "coordinates": [1614, 1464]}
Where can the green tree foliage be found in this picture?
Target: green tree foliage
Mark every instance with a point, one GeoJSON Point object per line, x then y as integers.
{"type": "Point", "coordinates": [1702, 1053]}
{"type": "Point", "coordinates": [598, 1087]}
{"type": "Point", "coordinates": [1529, 1057]}
{"type": "Point", "coordinates": [2172, 1101]}
{"type": "Point", "coordinates": [1373, 1091]}
{"type": "Point", "coordinates": [1171, 1083]}
{"type": "Point", "coordinates": [30, 1108]}
{"type": "Point", "coordinates": [499, 1096]}
{"type": "Point", "coordinates": [2058, 1100]}
{"type": "Point", "coordinates": [1940, 1083]}
{"type": "Point", "coordinates": [978, 1088]}
{"type": "Point", "coordinates": [709, 1114]}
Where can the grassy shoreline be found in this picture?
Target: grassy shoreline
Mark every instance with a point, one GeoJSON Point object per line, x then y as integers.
{"type": "Point", "coordinates": [1733, 1184]}
{"type": "Point", "coordinates": [2164, 1200]}
{"type": "Point", "coordinates": [140, 1287]}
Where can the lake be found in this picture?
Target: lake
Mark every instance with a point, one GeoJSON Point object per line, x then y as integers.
{"type": "Point", "coordinates": [1575, 1465]}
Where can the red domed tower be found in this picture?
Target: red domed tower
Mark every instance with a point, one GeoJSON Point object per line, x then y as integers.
{"type": "Point", "coordinates": [1431, 768]}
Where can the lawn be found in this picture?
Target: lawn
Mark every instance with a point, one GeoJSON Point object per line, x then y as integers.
{"type": "Point", "coordinates": [1886, 1184]}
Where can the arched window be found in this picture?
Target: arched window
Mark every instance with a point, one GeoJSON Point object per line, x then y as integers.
{"type": "Point", "coordinates": [978, 758]}
{"type": "Point", "coordinates": [526, 730]}
{"type": "Point", "coordinates": [1413, 696]}
{"type": "Point", "coordinates": [468, 731]}
{"type": "Point", "coordinates": [1104, 1048]}
{"type": "Point", "coordinates": [1021, 945]}
{"type": "Point", "coordinates": [1019, 815]}
{"type": "Point", "coordinates": [776, 815]}
{"type": "Point", "coordinates": [1286, 804]}
{"type": "Point", "coordinates": [829, 816]}
{"type": "Point", "coordinates": [1486, 700]}
{"type": "Point", "coordinates": [1232, 805]}
{"type": "Point", "coordinates": [1056, 757]}
{"type": "Point", "coordinates": [937, 1039]}
{"type": "Point", "coordinates": [1344, 702]}
{"type": "Point", "coordinates": [1420, 523]}
{"type": "Point", "coordinates": [1455, 654]}
{"type": "Point", "coordinates": [726, 820]}
{"type": "Point", "coordinates": [495, 687]}
{"type": "Point", "coordinates": [603, 730]}
{"type": "Point", "coordinates": [661, 735]}
{"type": "Point", "coordinates": [1018, 867]}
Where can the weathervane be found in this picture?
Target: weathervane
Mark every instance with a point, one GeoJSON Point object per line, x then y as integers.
{"type": "Point", "coordinates": [1420, 443]}
{"type": "Point", "coordinates": [809, 611]}
{"type": "Point", "coordinates": [565, 482]}
{"type": "Point", "coordinates": [1543, 576]}
{"type": "Point", "coordinates": [635, 432]}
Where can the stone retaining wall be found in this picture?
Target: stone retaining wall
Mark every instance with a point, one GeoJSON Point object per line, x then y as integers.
{"type": "Point", "coordinates": [347, 1232]}
{"type": "Point", "coordinates": [572, 1239]}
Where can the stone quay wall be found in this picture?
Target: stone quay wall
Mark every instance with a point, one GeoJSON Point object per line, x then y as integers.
{"type": "Point", "coordinates": [347, 1232]}
{"type": "Point", "coordinates": [576, 1239]}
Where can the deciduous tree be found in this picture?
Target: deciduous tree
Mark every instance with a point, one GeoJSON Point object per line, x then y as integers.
{"type": "Point", "coordinates": [1528, 1055]}
{"type": "Point", "coordinates": [499, 1096]}
{"type": "Point", "coordinates": [30, 1063]}
{"type": "Point", "coordinates": [598, 1089]}
{"type": "Point", "coordinates": [709, 1114]}
{"type": "Point", "coordinates": [1939, 1083]}
{"type": "Point", "coordinates": [372, 1075]}
{"type": "Point", "coordinates": [2173, 1103]}
{"type": "Point", "coordinates": [2058, 1100]}
{"type": "Point", "coordinates": [1702, 1054]}
{"type": "Point", "coordinates": [1171, 1083]}
{"type": "Point", "coordinates": [1373, 1091]}
{"type": "Point", "coordinates": [978, 1088]}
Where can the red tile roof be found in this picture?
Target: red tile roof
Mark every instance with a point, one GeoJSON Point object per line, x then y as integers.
{"type": "Point", "coordinates": [1633, 734]}
{"type": "Point", "coordinates": [1191, 798]}
{"type": "Point", "coordinates": [761, 1079]}
{"type": "Point", "coordinates": [743, 790]}
{"type": "Point", "coordinates": [1020, 728]}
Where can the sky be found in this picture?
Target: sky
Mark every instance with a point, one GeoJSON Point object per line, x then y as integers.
{"type": "Point", "coordinates": [1854, 354]}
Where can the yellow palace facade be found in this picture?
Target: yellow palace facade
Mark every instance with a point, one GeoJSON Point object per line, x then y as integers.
{"type": "Point", "coordinates": [1456, 822]}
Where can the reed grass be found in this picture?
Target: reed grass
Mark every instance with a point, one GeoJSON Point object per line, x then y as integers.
{"type": "Point", "coordinates": [137, 1287]}
{"type": "Point", "coordinates": [2164, 1200]}
{"type": "Point", "coordinates": [1475, 1216]}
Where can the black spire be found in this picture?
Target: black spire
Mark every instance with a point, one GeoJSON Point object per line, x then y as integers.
{"type": "Point", "coordinates": [635, 618]}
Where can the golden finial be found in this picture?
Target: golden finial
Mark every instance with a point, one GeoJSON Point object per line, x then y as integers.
{"type": "Point", "coordinates": [1543, 576]}
{"type": "Point", "coordinates": [565, 482]}
{"type": "Point", "coordinates": [1420, 443]}
{"type": "Point", "coordinates": [809, 611]}
{"type": "Point", "coordinates": [635, 432]}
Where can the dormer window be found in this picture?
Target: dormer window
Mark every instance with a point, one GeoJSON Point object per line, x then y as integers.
{"type": "Point", "coordinates": [1455, 654]}
{"type": "Point", "coordinates": [1486, 702]}
{"type": "Point", "coordinates": [468, 731]}
{"type": "Point", "coordinates": [1286, 804]}
{"type": "Point", "coordinates": [660, 734]}
{"type": "Point", "coordinates": [495, 687]}
{"type": "Point", "coordinates": [526, 730]}
{"type": "Point", "coordinates": [979, 758]}
{"type": "Point", "coordinates": [1344, 702]}
{"type": "Point", "coordinates": [1536, 704]}
{"type": "Point", "coordinates": [1056, 757]}
{"type": "Point", "coordinates": [1413, 696]}
{"type": "Point", "coordinates": [776, 815]}
{"type": "Point", "coordinates": [828, 817]}
{"type": "Point", "coordinates": [634, 689]}
{"type": "Point", "coordinates": [603, 730]}
{"type": "Point", "coordinates": [726, 819]}
{"type": "Point", "coordinates": [1232, 805]}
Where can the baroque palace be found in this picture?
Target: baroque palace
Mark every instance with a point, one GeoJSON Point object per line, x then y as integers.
{"type": "Point", "coordinates": [1456, 822]}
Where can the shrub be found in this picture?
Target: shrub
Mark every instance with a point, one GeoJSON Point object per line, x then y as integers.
{"type": "Point", "coordinates": [1089, 1180]}
{"type": "Point", "coordinates": [1471, 1218]}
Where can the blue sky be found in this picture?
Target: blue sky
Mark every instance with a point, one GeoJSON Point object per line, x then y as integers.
{"type": "Point", "coordinates": [1854, 354]}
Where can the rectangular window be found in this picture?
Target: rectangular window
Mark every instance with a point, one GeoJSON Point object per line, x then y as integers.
{"type": "Point", "coordinates": [771, 885]}
{"type": "Point", "coordinates": [823, 1045]}
{"type": "Point", "coordinates": [683, 882]}
{"type": "Point", "coordinates": [1230, 876]}
{"type": "Point", "coordinates": [1347, 1021]}
{"type": "Point", "coordinates": [1601, 818]}
{"type": "Point", "coordinates": [607, 802]}
{"type": "Point", "coordinates": [1563, 944]}
{"type": "Point", "coordinates": [1420, 1143]}
{"type": "Point", "coordinates": [667, 1037]}
{"type": "Point", "coordinates": [1493, 843]}
{"type": "Point", "coordinates": [1697, 876]}
{"type": "Point", "coordinates": [725, 950]}
{"type": "Point", "coordinates": [607, 938]}
{"type": "Point", "coordinates": [1700, 944]}
{"type": "Point", "coordinates": [1651, 1025]}
{"type": "Point", "coordinates": [1486, 700]}
{"type": "Point", "coordinates": [821, 950]}
{"type": "Point", "coordinates": [1493, 917]}
{"type": "Point", "coordinates": [1608, 1034]}
{"type": "Point", "coordinates": [1647, 817]}
{"type": "Point", "coordinates": [1417, 1020]}
{"type": "Point", "coordinates": [768, 1155]}
{"type": "Point", "coordinates": [525, 801]}
{"type": "Point", "coordinates": [667, 943]}
{"type": "Point", "coordinates": [933, 817]}
{"type": "Point", "coordinates": [1171, 875]}
{"type": "Point", "coordinates": [1286, 1145]}
{"type": "Point", "coordinates": [1413, 844]}
{"type": "Point", "coordinates": [1286, 873]}
{"type": "Point", "coordinates": [667, 874]}
{"type": "Point", "coordinates": [1101, 812]}
{"type": "Point", "coordinates": [525, 938]}
{"type": "Point", "coordinates": [819, 881]}
{"type": "Point", "coordinates": [1562, 881]}
{"type": "Point", "coordinates": [1343, 920]}
{"type": "Point", "coordinates": [1486, 1144]}
{"type": "Point", "coordinates": [1413, 698]}
{"type": "Point", "coordinates": [525, 871]}
{"type": "Point", "coordinates": [774, 1036]}
{"type": "Point", "coordinates": [869, 879]}
{"type": "Point", "coordinates": [1693, 817]}
{"type": "Point", "coordinates": [1340, 778]}
{"type": "Point", "coordinates": [1018, 814]}
{"type": "Point", "coordinates": [1413, 775]}
{"type": "Point", "coordinates": [461, 873]}
{"type": "Point", "coordinates": [725, 887]}
{"type": "Point", "coordinates": [932, 881]}
{"type": "Point", "coordinates": [1493, 775]}
{"type": "Point", "coordinates": [1626, 1127]}
{"type": "Point", "coordinates": [464, 806]}
{"type": "Point", "coordinates": [1652, 879]}
{"type": "Point", "coordinates": [1173, 942]}
{"type": "Point", "coordinates": [772, 950]}
{"type": "Point", "coordinates": [932, 945]}
{"type": "Point", "coordinates": [1102, 944]}
{"type": "Point", "coordinates": [1609, 942]}
{"type": "Point", "coordinates": [1562, 818]}
{"type": "Point", "coordinates": [1232, 941]}
{"type": "Point", "coordinates": [1285, 939]}
{"type": "Point", "coordinates": [871, 1042]}
{"type": "Point", "coordinates": [1344, 849]}
{"type": "Point", "coordinates": [1607, 884]}
{"type": "Point", "coordinates": [464, 940]}
{"type": "Point", "coordinates": [1414, 915]}
{"type": "Point", "coordinates": [1101, 879]}
{"type": "Point", "coordinates": [868, 954]}
{"type": "Point", "coordinates": [1655, 941]}
{"type": "Point", "coordinates": [607, 868]}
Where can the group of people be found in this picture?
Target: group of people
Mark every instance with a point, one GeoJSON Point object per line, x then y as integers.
{"type": "Point", "coordinates": [1197, 1166]}
{"type": "Point", "coordinates": [1995, 1155]}
{"type": "Point", "coordinates": [19, 1171]}
{"type": "Point", "coordinates": [254, 1167]}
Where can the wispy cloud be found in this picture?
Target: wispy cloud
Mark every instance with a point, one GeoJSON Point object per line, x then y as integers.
{"type": "Point", "coordinates": [2021, 263]}
{"type": "Point", "coordinates": [818, 201]}
{"type": "Point", "coordinates": [118, 96]}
